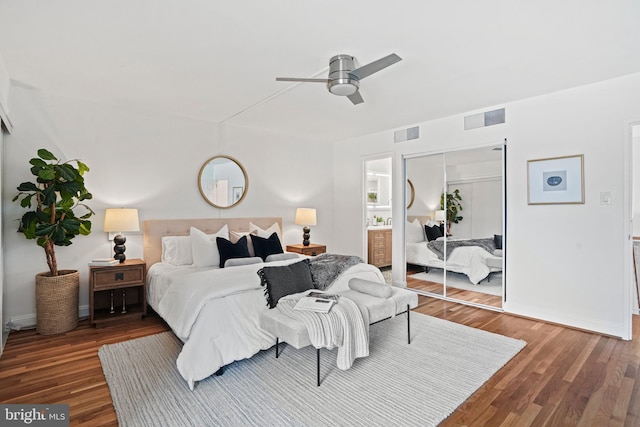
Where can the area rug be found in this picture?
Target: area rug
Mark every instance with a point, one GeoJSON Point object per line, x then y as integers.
{"type": "Point", "coordinates": [417, 384]}
{"type": "Point", "coordinates": [461, 281]}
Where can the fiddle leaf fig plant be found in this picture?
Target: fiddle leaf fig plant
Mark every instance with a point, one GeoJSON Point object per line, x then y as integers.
{"type": "Point", "coordinates": [452, 207]}
{"type": "Point", "coordinates": [54, 197]}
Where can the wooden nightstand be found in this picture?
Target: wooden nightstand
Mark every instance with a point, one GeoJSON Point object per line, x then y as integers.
{"type": "Point", "coordinates": [311, 250]}
{"type": "Point", "coordinates": [117, 288]}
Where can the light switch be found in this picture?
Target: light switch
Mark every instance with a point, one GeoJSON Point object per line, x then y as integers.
{"type": "Point", "coordinates": [605, 197]}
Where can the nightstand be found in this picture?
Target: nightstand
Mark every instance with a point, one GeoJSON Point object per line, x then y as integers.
{"type": "Point", "coordinates": [311, 250]}
{"type": "Point", "coordinates": [117, 293]}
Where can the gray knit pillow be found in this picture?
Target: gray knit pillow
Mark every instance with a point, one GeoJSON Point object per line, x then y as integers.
{"type": "Point", "coordinates": [285, 280]}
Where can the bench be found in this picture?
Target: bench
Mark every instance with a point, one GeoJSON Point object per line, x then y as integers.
{"type": "Point", "coordinates": [495, 265]}
{"type": "Point", "coordinates": [294, 332]}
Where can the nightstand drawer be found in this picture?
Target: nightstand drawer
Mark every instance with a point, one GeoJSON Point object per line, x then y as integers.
{"type": "Point", "coordinates": [118, 277]}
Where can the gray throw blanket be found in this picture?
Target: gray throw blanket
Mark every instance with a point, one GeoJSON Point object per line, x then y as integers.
{"type": "Point", "coordinates": [325, 268]}
{"type": "Point", "coordinates": [437, 246]}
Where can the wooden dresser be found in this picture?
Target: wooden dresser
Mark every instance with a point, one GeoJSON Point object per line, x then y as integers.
{"type": "Point", "coordinates": [379, 247]}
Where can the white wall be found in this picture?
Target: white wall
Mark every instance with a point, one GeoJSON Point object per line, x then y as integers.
{"type": "Point", "coordinates": [3, 300]}
{"type": "Point", "coordinates": [636, 179]}
{"type": "Point", "coordinates": [482, 209]}
{"type": "Point", "coordinates": [150, 162]}
{"type": "Point", "coordinates": [5, 84]}
{"type": "Point", "coordinates": [564, 262]}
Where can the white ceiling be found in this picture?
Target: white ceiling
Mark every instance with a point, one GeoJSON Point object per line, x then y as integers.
{"type": "Point", "coordinates": [217, 60]}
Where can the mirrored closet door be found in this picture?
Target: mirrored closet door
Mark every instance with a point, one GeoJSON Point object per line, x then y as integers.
{"type": "Point", "coordinates": [459, 208]}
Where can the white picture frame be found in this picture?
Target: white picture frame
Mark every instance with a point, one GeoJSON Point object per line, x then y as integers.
{"type": "Point", "coordinates": [556, 180]}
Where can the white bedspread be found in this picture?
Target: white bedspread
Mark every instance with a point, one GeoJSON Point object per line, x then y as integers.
{"type": "Point", "coordinates": [216, 312]}
{"type": "Point", "coordinates": [469, 260]}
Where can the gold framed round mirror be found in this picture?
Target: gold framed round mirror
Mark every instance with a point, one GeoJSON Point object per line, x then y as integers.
{"type": "Point", "coordinates": [412, 193]}
{"type": "Point", "coordinates": [223, 182]}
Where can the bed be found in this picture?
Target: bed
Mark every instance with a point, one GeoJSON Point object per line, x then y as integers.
{"type": "Point", "coordinates": [476, 258]}
{"type": "Point", "coordinates": [215, 311]}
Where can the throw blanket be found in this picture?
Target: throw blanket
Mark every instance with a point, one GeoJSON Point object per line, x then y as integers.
{"type": "Point", "coordinates": [437, 246]}
{"type": "Point", "coordinates": [345, 327]}
{"type": "Point", "coordinates": [325, 268]}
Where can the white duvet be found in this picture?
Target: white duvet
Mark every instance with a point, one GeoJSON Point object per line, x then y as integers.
{"type": "Point", "coordinates": [216, 312]}
{"type": "Point", "coordinates": [469, 260]}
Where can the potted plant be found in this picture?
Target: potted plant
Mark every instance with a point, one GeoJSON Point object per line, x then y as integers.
{"type": "Point", "coordinates": [451, 208]}
{"type": "Point", "coordinates": [54, 197]}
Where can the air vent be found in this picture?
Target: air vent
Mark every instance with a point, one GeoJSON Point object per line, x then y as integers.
{"type": "Point", "coordinates": [406, 134]}
{"type": "Point", "coordinates": [488, 118]}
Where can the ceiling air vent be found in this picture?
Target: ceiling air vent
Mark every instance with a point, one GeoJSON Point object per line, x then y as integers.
{"type": "Point", "coordinates": [406, 134]}
{"type": "Point", "coordinates": [480, 120]}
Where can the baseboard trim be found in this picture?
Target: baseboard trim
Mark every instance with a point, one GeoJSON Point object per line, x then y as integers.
{"type": "Point", "coordinates": [28, 321]}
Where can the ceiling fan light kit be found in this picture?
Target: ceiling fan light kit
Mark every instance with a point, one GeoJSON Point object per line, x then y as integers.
{"type": "Point", "coordinates": [344, 77]}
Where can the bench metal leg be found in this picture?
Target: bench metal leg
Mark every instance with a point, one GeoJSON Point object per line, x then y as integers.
{"type": "Point", "coordinates": [318, 362]}
{"type": "Point", "coordinates": [277, 345]}
{"type": "Point", "coordinates": [408, 325]}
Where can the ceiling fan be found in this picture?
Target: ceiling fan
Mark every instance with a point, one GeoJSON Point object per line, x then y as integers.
{"type": "Point", "coordinates": [344, 77]}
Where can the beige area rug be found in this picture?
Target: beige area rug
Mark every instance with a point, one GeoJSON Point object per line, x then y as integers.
{"type": "Point", "coordinates": [417, 384]}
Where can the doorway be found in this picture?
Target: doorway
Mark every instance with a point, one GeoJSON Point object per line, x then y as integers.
{"type": "Point", "coordinates": [378, 217]}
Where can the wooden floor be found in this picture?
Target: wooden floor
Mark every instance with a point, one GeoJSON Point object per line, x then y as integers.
{"type": "Point", "coordinates": [563, 377]}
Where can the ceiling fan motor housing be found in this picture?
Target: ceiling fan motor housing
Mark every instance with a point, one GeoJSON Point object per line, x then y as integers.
{"type": "Point", "coordinates": [340, 81]}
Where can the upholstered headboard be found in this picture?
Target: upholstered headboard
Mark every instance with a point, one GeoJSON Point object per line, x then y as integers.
{"type": "Point", "coordinates": [154, 229]}
{"type": "Point", "coordinates": [422, 218]}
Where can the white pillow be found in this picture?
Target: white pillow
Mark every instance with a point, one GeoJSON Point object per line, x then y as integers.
{"type": "Point", "coordinates": [205, 248]}
{"type": "Point", "coordinates": [275, 228]}
{"type": "Point", "coordinates": [414, 231]}
{"type": "Point", "coordinates": [282, 257]}
{"type": "Point", "coordinates": [234, 262]}
{"type": "Point", "coordinates": [176, 250]}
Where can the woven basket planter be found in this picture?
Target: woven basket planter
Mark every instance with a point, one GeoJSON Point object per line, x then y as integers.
{"type": "Point", "coordinates": [57, 302]}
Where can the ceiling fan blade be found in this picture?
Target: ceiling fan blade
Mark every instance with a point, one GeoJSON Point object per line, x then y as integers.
{"type": "Point", "coordinates": [295, 79]}
{"type": "Point", "coordinates": [356, 98]}
{"type": "Point", "coordinates": [375, 66]}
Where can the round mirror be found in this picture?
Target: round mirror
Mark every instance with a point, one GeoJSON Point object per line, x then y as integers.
{"type": "Point", "coordinates": [223, 182]}
{"type": "Point", "coordinates": [411, 193]}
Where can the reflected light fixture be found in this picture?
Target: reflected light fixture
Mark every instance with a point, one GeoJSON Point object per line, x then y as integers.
{"type": "Point", "coordinates": [305, 217]}
{"type": "Point", "coordinates": [119, 220]}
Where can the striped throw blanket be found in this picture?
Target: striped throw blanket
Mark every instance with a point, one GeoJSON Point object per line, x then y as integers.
{"type": "Point", "coordinates": [344, 327]}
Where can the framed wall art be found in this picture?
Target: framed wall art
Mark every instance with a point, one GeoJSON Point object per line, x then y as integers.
{"type": "Point", "coordinates": [556, 180]}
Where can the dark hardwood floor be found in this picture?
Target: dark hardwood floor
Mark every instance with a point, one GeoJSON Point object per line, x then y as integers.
{"type": "Point", "coordinates": [563, 377]}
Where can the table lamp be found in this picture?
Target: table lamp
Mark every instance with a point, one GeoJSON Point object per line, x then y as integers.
{"type": "Point", "coordinates": [305, 217]}
{"type": "Point", "coordinates": [118, 220]}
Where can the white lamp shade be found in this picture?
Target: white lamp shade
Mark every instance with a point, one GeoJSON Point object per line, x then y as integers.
{"type": "Point", "coordinates": [440, 215]}
{"type": "Point", "coordinates": [305, 216]}
{"type": "Point", "coordinates": [120, 219]}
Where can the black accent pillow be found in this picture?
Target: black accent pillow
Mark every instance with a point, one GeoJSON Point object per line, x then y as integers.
{"type": "Point", "coordinates": [264, 247]}
{"type": "Point", "coordinates": [285, 280]}
{"type": "Point", "coordinates": [497, 239]}
{"type": "Point", "coordinates": [230, 250]}
{"type": "Point", "coordinates": [432, 232]}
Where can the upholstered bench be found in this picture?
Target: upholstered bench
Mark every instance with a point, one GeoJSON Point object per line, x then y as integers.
{"type": "Point", "coordinates": [495, 265]}
{"type": "Point", "coordinates": [294, 332]}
